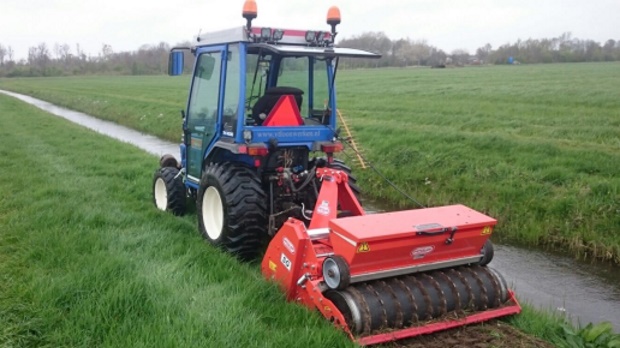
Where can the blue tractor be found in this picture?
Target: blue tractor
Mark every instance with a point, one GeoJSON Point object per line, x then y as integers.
{"type": "Point", "coordinates": [259, 138]}
{"type": "Point", "coordinates": [260, 120]}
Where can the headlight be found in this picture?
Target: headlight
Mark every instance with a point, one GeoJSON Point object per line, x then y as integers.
{"type": "Point", "coordinates": [310, 36]}
{"type": "Point", "coordinates": [265, 34]}
{"type": "Point", "coordinates": [278, 34]}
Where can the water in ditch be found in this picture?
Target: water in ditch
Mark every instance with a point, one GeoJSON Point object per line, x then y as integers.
{"type": "Point", "coordinates": [583, 291]}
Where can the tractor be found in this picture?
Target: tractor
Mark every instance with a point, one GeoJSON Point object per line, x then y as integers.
{"type": "Point", "coordinates": [258, 157]}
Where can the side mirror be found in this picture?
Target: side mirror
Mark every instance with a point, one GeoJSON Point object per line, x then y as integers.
{"type": "Point", "coordinates": [175, 63]}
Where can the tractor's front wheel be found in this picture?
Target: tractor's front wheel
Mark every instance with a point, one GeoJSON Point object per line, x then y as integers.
{"type": "Point", "coordinates": [232, 209]}
{"type": "Point", "coordinates": [169, 191]}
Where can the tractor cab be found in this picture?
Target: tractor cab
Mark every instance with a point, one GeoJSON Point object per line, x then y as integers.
{"type": "Point", "coordinates": [261, 112]}
{"type": "Point", "coordinates": [260, 121]}
{"type": "Point", "coordinates": [259, 90]}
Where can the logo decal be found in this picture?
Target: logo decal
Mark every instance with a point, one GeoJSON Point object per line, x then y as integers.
{"type": "Point", "coordinates": [285, 261]}
{"type": "Point", "coordinates": [420, 252]}
{"type": "Point", "coordinates": [287, 243]}
{"type": "Point", "coordinates": [323, 209]}
{"type": "Point", "coordinates": [363, 248]}
{"type": "Point", "coordinates": [486, 230]}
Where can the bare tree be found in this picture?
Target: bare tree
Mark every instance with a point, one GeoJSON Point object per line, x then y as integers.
{"type": "Point", "coordinates": [43, 54]}
{"type": "Point", "coordinates": [10, 54]}
{"type": "Point", "coordinates": [460, 56]}
{"type": "Point", "coordinates": [401, 51]}
{"type": "Point", "coordinates": [39, 57]}
{"type": "Point", "coordinates": [79, 53]}
{"type": "Point", "coordinates": [106, 51]}
{"type": "Point", "coordinates": [482, 53]}
{"type": "Point", "coordinates": [3, 53]}
{"type": "Point", "coordinates": [376, 42]}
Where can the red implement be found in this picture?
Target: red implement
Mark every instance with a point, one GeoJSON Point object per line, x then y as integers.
{"type": "Point", "coordinates": [389, 276]}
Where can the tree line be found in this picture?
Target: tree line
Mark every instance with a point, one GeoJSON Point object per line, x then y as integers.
{"type": "Point", "coordinates": [407, 52]}
{"type": "Point", "coordinates": [62, 60]}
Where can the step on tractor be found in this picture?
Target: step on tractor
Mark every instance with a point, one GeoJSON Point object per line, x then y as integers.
{"type": "Point", "coordinates": [258, 157]}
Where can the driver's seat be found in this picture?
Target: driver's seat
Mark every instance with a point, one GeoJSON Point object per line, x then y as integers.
{"type": "Point", "coordinates": [265, 103]}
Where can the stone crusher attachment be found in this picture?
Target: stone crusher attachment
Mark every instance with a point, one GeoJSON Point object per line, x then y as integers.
{"type": "Point", "coordinates": [389, 276]}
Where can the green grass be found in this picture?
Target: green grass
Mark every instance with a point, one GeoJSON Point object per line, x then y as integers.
{"type": "Point", "coordinates": [87, 261]}
{"type": "Point", "coordinates": [150, 104]}
{"type": "Point", "coordinates": [554, 329]}
{"type": "Point", "coordinates": [534, 146]}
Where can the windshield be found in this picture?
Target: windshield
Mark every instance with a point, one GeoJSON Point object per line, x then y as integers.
{"type": "Point", "coordinates": [304, 77]}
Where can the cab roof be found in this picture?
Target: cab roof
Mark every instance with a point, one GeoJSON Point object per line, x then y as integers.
{"type": "Point", "coordinates": [291, 50]}
{"type": "Point", "coordinates": [293, 43]}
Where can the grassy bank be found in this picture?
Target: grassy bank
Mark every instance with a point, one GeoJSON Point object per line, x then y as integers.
{"type": "Point", "coordinates": [534, 146]}
{"type": "Point", "coordinates": [86, 260]}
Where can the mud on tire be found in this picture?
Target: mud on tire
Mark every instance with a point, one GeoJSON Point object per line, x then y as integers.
{"type": "Point", "coordinates": [169, 191]}
{"type": "Point", "coordinates": [232, 209]}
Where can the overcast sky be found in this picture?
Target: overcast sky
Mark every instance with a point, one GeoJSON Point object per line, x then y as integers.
{"type": "Point", "coordinates": [446, 24]}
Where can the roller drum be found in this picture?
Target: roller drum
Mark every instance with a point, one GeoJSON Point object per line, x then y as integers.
{"type": "Point", "coordinates": [410, 300]}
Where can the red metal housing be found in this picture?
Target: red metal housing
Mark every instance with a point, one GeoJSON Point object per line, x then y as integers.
{"type": "Point", "coordinates": [378, 246]}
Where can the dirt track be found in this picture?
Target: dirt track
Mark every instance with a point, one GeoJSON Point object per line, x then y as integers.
{"type": "Point", "coordinates": [495, 334]}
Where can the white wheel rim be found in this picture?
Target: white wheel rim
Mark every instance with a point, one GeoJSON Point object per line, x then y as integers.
{"type": "Point", "coordinates": [161, 194]}
{"type": "Point", "coordinates": [331, 273]}
{"type": "Point", "coordinates": [212, 213]}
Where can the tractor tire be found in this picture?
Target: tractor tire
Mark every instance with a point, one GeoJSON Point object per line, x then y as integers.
{"type": "Point", "coordinates": [169, 192]}
{"type": "Point", "coordinates": [232, 210]}
{"type": "Point", "coordinates": [339, 164]}
{"type": "Point", "coordinates": [169, 160]}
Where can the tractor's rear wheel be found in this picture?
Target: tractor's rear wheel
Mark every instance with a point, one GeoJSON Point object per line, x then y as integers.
{"type": "Point", "coordinates": [232, 209]}
{"type": "Point", "coordinates": [341, 165]}
{"type": "Point", "coordinates": [321, 162]}
{"type": "Point", "coordinates": [338, 164]}
{"type": "Point", "coordinates": [169, 191]}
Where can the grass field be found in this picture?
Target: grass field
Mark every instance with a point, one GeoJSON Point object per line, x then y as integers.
{"type": "Point", "coordinates": [87, 261]}
{"type": "Point", "coordinates": [537, 146]}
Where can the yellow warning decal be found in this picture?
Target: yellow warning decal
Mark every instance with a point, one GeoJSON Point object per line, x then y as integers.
{"type": "Point", "coordinates": [486, 230]}
{"type": "Point", "coordinates": [272, 266]}
{"type": "Point", "coordinates": [363, 248]}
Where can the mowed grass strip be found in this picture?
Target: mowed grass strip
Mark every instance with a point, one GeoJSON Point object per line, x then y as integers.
{"type": "Point", "coordinates": [87, 261]}
{"type": "Point", "coordinates": [536, 146]}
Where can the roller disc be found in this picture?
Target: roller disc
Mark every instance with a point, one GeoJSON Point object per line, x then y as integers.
{"type": "Point", "coordinates": [396, 303]}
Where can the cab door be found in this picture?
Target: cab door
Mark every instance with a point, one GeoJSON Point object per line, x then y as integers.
{"type": "Point", "coordinates": [203, 108]}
